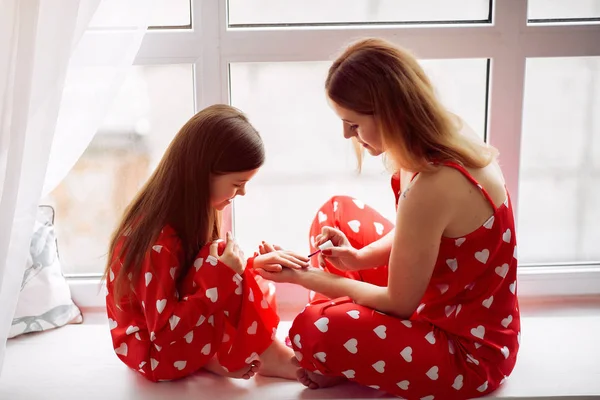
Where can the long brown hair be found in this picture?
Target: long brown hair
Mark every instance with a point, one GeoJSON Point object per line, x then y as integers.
{"type": "Point", "coordinates": [374, 77]}
{"type": "Point", "coordinates": [217, 140]}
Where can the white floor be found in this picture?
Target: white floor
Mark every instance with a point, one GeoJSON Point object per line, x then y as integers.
{"type": "Point", "coordinates": [560, 358]}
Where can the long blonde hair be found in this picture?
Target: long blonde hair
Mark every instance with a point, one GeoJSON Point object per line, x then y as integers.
{"type": "Point", "coordinates": [217, 140]}
{"type": "Point", "coordinates": [375, 77]}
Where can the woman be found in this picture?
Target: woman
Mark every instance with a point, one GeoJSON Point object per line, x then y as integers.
{"type": "Point", "coordinates": [427, 309]}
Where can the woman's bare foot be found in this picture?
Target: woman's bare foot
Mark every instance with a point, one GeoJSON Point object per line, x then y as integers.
{"type": "Point", "coordinates": [246, 372]}
{"type": "Point", "coordinates": [276, 361]}
{"type": "Point", "coordinates": [314, 380]}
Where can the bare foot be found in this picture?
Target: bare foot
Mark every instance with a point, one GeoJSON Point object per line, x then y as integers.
{"type": "Point", "coordinates": [314, 380]}
{"type": "Point", "coordinates": [246, 372]}
{"type": "Point", "coordinates": [276, 361]}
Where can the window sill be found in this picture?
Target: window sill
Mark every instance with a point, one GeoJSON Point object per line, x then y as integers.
{"type": "Point", "coordinates": [558, 359]}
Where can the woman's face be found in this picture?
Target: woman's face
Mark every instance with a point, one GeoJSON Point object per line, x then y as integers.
{"type": "Point", "coordinates": [223, 188]}
{"type": "Point", "coordinates": [363, 127]}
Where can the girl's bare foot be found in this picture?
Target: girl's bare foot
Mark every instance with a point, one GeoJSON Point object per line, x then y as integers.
{"type": "Point", "coordinates": [314, 380]}
{"type": "Point", "coordinates": [276, 361]}
{"type": "Point", "coordinates": [246, 372]}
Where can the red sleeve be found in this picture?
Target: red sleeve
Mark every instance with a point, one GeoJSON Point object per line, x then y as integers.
{"type": "Point", "coordinates": [168, 317]}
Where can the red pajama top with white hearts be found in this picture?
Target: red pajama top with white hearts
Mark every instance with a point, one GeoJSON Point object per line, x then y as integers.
{"type": "Point", "coordinates": [472, 292]}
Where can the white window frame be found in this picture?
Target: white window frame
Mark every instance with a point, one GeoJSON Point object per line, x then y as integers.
{"type": "Point", "coordinates": [507, 41]}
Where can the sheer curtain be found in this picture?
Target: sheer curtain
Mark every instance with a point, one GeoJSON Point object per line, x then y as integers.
{"type": "Point", "coordinates": [60, 68]}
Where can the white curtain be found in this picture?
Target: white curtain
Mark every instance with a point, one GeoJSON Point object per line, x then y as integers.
{"type": "Point", "coordinates": [61, 66]}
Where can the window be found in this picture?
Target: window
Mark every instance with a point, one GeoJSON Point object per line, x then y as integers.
{"type": "Point", "coordinates": [154, 102]}
{"type": "Point", "coordinates": [345, 12]}
{"type": "Point", "coordinates": [515, 71]}
{"type": "Point", "coordinates": [306, 153]}
{"type": "Point", "coordinates": [560, 162]}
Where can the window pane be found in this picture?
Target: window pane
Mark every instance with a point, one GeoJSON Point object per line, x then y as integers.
{"type": "Point", "coordinates": [165, 14]}
{"type": "Point", "coordinates": [276, 12]}
{"type": "Point", "coordinates": [559, 192]}
{"type": "Point", "coordinates": [308, 160]}
{"type": "Point", "coordinates": [563, 10]}
{"type": "Point", "coordinates": [171, 14]}
{"type": "Point", "coordinates": [154, 102]}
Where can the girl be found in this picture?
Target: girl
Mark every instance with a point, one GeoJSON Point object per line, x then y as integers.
{"type": "Point", "coordinates": [178, 299]}
{"type": "Point", "coordinates": [427, 309]}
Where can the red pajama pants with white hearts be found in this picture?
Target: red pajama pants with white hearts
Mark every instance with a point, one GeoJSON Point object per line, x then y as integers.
{"type": "Point", "coordinates": [418, 358]}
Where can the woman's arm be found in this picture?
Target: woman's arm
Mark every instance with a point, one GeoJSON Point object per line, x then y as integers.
{"type": "Point", "coordinates": [377, 254]}
{"type": "Point", "coordinates": [422, 217]}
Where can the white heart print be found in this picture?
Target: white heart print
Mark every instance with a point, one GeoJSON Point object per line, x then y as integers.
{"type": "Point", "coordinates": [505, 352]}
{"type": "Point", "coordinates": [349, 373]}
{"type": "Point", "coordinates": [354, 225]}
{"type": "Point", "coordinates": [478, 332]}
{"type": "Point", "coordinates": [211, 320]}
{"type": "Point", "coordinates": [297, 341]}
{"type": "Point", "coordinates": [251, 295]}
{"type": "Point", "coordinates": [212, 260]}
{"type": "Point", "coordinates": [506, 321]}
{"type": "Point", "coordinates": [407, 323]}
{"type": "Point", "coordinates": [378, 228]}
{"type": "Point", "coordinates": [189, 337]}
{"type": "Point", "coordinates": [430, 337]}
{"type": "Point", "coordinates": [483, 387]}
{"type": "Point", "coordinates": [443, 288]}
{"type": "Point", "coordinates": [359, 203]}
{"type": "Point", "coordinates": [148, 278]}
{"type": "Point", "coordinates": [153, 364]}
{"type": "Point", "coordinates": [172, 272]}
{"type": "Point", "coordinates": [160, 305]}
{"type": "Point", "coordinates": [131, 329]}
{"type": "Point", "coordinates": [458, 242]}
{"type": "Point", "coordinates": [322, 324]}
{"type": "Point", "coordinates": [212, 294]}
{"type": "Point", "coordinates": [112, 324]}
{"type": "Point", "coordinates": [206, 349]}
{"type": "Point", "coordinates": [433, 373]}
{"type": "Point", "coordinates": [449, 310]}
{"type": "Point", "coordinates": [322, 217]}
{"type": "Point", "coordinates": [512, 287]}
{"type": "Point", "coordinates": [506, 236]}
{"type": "Point", "coordinates": [122, 349]}
{"type": "Point", "coordinates": [252, 357]}
{"type": "Point", "coordinates": [403, 385]}
{"type": "Point", "coordinates": [379, 366]}
{"type": "Point", "coordinates": [252, 328]}
{"type": "Point", "coordinates": [352, 346]}
{"type": "Point", "coordinates": [487, 303]}
{"type": "Point", "coordinates": [381, 331]}
{"type": "Point", "coordinates": [420, 308]}
{"type": "Point", "coordinates": [198, 263]}
{"type": "Point", "coordinates": [489, 223]}
{"type": "Point", "coordinates": [451, 347]}
{"type": "Point", "coordinates": [502, 270]}
{"type": "Point", "coordinates": [355, 314]}
{"type": "Point", "coordinates": [452, 264]}
{"type": "Point", "coordinates": [180, 365]}
{"type": "Point", "coordinates": [430, 397]}
{"type": "Point", "coordinates": [173, 321]}
{"type": "Point", "coordinates": [458, 382]}
{"type": "Point", "coordinates": [157, 248]}
{"type": "Point", "coordinates": [321, 356]}
{"type": "Point", "coordinates": [407, 354]}
{"type": "Point", "coordinates": [111, 275]}
{"type": "Point", "coordinates": [157, 347]}
{"type": "Point", "coordinates": [201, 320]}
{"type": "Point", "coordinates": [335, 206]}
{"type": "Point", "coordinates": [482, 256]}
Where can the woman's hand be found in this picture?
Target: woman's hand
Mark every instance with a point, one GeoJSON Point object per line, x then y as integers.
{"type": "Point", "coordinates": [265, 248]}
{"type": "Point", "coordinates": [278, 260]}
{"type": "Point", "coordinates": [289, 275]}
{"type": "Point", "coordinates": [232, 256]}
{"type": "Point", "coordinates": [343, 256]}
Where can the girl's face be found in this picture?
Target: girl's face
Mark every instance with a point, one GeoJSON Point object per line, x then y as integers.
{"type": "Point", "coordinates": [223, 188]}
{"type": "Point", "coordinates": [363, 127]}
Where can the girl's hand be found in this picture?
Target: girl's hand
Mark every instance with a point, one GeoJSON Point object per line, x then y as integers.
{"type": "Point", "coordinates": [277, 260]}
{"type": "Point", "coordinates": [232, 256]}
{"type": "Point", "coordinates": [265, 248]}
{"type": "Point", "coordinates": [343, 256]}
{"type": "Point", "coordinates": [286, 275]}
